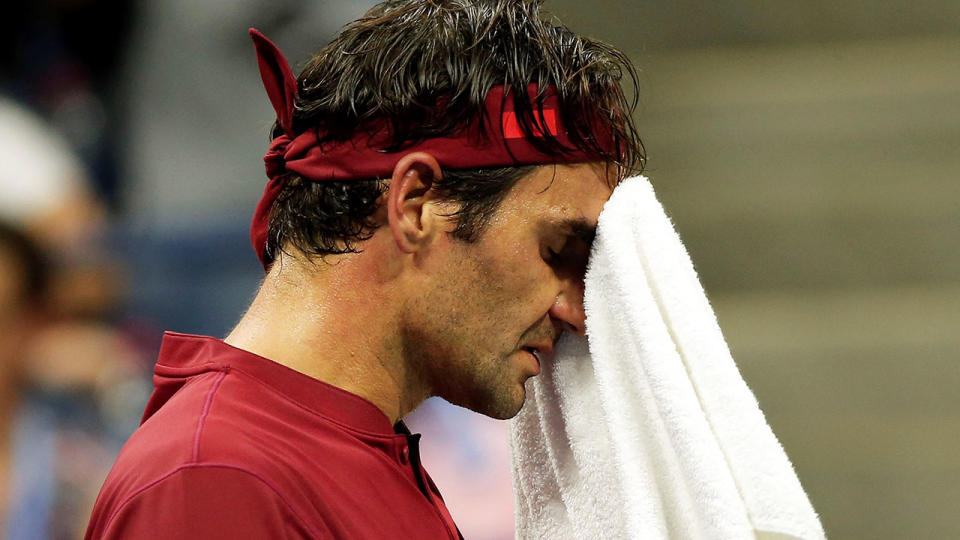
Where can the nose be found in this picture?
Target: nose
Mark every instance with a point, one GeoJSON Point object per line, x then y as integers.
{"type": "Point", "coordinates": [567, 311]}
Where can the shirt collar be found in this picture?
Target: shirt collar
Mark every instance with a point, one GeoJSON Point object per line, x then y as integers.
{"type": "Point", "coordinates": [184, 355]}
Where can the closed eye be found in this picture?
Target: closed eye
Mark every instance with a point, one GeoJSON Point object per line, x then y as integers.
{"type": "Point", "coordinates": [571, 260]}
{"type": "Point", "coordinates": [552, 256]}
{"type": "Point", "coordinates": [575, 236]}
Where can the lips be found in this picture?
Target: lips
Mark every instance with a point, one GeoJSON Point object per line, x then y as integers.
{"type": "Point", "coordinates": [536, 358]}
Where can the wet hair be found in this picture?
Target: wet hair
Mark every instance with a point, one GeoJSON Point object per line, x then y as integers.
{"type": "Point", "coordinates": [424, 68]}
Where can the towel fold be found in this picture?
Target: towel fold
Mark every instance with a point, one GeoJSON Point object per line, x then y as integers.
{"type": "Point", "coordinates": [645, 429]}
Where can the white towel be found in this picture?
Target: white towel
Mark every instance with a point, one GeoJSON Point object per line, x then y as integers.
{"type": "Point", "coordinates": [645, 429]}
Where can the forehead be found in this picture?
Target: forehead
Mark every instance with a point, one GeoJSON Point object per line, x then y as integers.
{"type": "Point", "coordinates": [562, 192]}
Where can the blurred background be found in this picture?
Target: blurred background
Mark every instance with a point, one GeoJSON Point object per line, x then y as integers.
{"type": "Point", "coordinates": [809, 154]}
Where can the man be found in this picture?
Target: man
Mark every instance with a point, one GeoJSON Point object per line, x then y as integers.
{"type": "Point", "coordinates": [436, 173]}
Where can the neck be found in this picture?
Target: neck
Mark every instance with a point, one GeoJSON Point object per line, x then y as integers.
{"type": "Point", "coordinates": [332, 323]}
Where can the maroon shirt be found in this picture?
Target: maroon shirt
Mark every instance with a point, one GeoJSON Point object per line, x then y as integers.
{"type": "Point", "coordinates": [233, 445]}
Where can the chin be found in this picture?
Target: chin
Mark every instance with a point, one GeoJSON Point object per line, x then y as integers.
{"type": "Point", "coordinates": [503, 407]}
{"type": "Point", "coordinates": [503, 414]}
{"type": "Point", "coordinates": [499, 397]}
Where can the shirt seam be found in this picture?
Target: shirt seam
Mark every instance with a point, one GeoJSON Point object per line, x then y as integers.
{"type": "Point", "coordinates": [203, 415]}
{"type": "Point", "coordinates": [300, 521]}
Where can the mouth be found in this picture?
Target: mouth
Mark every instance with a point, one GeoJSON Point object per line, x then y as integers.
{"type": "Point", "coordinates": [536, 359]}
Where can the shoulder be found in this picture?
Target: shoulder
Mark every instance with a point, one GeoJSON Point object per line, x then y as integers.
{"type": "Point", "coordinates": [224, 433]}
{"type": "Point", "coordinates": [217, 426]}
{"type": "Point", "coordinates": [202, 501]}
{"type": "Point", "coordinates": [215, 420]}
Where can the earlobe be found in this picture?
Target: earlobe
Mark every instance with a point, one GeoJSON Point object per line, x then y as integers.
{"type": "Point", "coordinates": [407, 199]}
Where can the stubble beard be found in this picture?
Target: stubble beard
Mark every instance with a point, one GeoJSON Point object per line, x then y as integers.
{"type": "Point", "coordinates": [483, 383]}
{"type": "Point", "coordinates": [497, 394]}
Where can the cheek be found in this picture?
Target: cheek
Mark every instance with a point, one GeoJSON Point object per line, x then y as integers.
{"type": "Point", "coordinates": [515, 280]}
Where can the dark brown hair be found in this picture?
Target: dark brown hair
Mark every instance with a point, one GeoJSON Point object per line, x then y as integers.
{"type": "Point", "coordinates": [424, 67]}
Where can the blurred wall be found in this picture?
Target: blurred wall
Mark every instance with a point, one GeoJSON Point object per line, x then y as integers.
{"type": "Point", "coordinates": [808, 154]}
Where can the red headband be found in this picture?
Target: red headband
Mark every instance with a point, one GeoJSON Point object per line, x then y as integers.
{"type": "Point", "coordinates": [360, 158]}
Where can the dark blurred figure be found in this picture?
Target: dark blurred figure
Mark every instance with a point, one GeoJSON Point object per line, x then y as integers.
{"type": "Point", "coordinates": [22, 281]}
{"type": "Point", "coordinates": [72, 381]}
{"type": "Point", "coordinates": [66, 392]}
{"type": "Point", "coordinates": [59, 57]}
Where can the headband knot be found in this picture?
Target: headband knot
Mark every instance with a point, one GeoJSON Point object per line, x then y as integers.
{"type": "Point", "coordinates": [275, 159]}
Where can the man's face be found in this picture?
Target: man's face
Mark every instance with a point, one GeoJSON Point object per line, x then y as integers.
{"type": "Point", "coordinates": [486, 301]}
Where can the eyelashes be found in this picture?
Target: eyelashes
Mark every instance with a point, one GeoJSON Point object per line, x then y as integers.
{"type": "Point", "coordinates": [552, 256]}
{"type": "Point", "coordinates": [571, 259]}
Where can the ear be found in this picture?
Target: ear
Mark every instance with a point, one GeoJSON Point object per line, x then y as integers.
{"type": "Point", "coordinates": [408, 200]}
